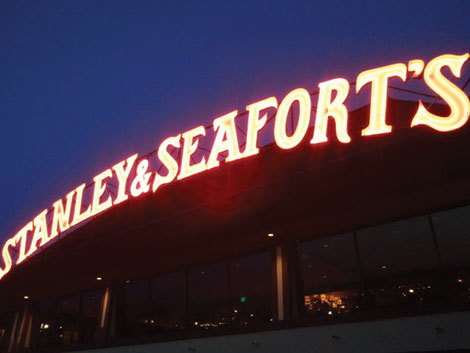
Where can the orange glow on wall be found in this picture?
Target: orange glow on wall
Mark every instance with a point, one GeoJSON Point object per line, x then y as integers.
{"type": "Point", "coordinates": [61, 217]}
{"type": "Point", "coordinates": [456, 99]}
{"type": "Point", "coordinates": [226, 140]}
{"type": "Point", "coordinates": [100, 187]}
{"type": "Point", "coordinates": [191, 141]}
{"type": "Point", "coordinates": [122, 174]}
{"type": "Point", "coordinates": [301, 96]}
{"type": "Point", "coordinates": [378, 78]}
{"type": "Point", "coordinates": [78, 215]}
{"type": "Point", "coordinates": [20, 238]}
{"type": "Point", "coordinates": [256, 123]}
{"type": "Point", "coordinates": [40, 232]}
{"type": "Point", "coordinates": [335, 109]}
{"type": "Point", "coordinates": [168, 161]}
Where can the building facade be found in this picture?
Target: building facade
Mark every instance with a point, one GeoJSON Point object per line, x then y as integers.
{"type": "Point", "coordinates": [338, 248]}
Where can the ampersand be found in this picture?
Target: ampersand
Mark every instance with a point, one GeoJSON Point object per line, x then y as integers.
{"type": "Point", "coordinates": [141, 183]}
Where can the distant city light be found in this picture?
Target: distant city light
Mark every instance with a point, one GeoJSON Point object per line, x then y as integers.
{"type": "Point", "coordinates": [99, 278]}
{"type": "Point", "coordinates": [270, 235]}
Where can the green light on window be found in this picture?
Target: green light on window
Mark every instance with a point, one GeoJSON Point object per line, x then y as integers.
{"type": "Point", "coordinates": [243, 299]}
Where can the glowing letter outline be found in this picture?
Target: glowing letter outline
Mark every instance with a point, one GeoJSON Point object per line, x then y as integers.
{"type": "Point", "coordinates": [335, 109]}
{"type": "Point", "coordinates": [456, 99]}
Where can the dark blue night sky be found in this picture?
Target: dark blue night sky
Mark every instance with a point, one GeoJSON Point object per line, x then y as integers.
{"type": "Point", "coordinates": [85, 84]}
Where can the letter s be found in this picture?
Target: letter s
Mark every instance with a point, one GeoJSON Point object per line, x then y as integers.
{"type": "Point", "coordinates": [456, 99]}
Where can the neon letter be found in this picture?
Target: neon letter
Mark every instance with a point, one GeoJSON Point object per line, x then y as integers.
{"type": "Point", "coordinates": [416, 66]}
{"type": "Point", "coordinates": [21, 237]}
{"type": "Point", "coordinates": [78, 216]}
{"type": "Point", "coordinates": [456, 99]}
{"type": "Point", "coordinates": [98, 191]}
{"type": "Point", "coordinates": [141, 184]}
{"type": "Point", "coordinates": [336, 109]}
{"type": "Point", "coordinates": [225, 140]}
{"type": "Point", "coordinates": [168, 161]}
{"type": "Point", "coordinates": [7, 257]}
{"type": "Point", "coordinates": [60, 218]}
{"type": "Point", "coordinates": [191, 141]}
{"type": "Point", "coordinates": [122, 175]}
{"type": "Point", "coordinates": [378, 102]}
{"type": "Point", "coordinates": [40, 232]}
{"type": "Point", "coordinates": [255, 124]}
{"type": "Point", "coordinates": [305, 104]}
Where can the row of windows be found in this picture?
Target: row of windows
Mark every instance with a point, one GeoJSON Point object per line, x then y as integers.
{"type": "Point", "coordinates": [415, 265]}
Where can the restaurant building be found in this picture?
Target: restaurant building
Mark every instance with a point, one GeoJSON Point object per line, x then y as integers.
{"type": "Point", "coordinates": [338, 247]}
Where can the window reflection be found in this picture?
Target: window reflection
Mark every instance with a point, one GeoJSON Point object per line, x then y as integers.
{"type": "Point", "coordinates": [330, 273]}
{"type": "Point", "coordinates": [48, 329]}
{"type": "Point", "coordinates": [332, 303]}
{"type": "Point", "coordinates": [90, 313]}
{"type": "Point", "coordinates": [400, 266]}
{"type": "Point", "coordinates": [137, 307]}
{"type": "Point", "coordinates": [251, 284]}
{"type": "Point", "coordinates": [67, 319]}
{"type": "Point", "coordinates": [397, 247]}
{"type": "Point", "coordinates": [453, 236]}
{"type": "Point", "coordinates": [209, 306]}
{"type": "Point", "coordinates": [168, 302]}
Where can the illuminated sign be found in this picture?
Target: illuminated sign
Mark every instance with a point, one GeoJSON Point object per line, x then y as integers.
{"type": "Point", "coordinates": [134, 176]}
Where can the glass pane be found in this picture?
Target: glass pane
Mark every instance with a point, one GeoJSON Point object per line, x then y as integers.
{"type": "Point", "coordinates": [330, 275]}
{"type": "Point", "coordinates": [137, 306]}
{"type": "Point", "coordinates": [48, 329]}
{"type": "Point", "coordinates": [252, 286]}
{"type": "Point", "coordinates": [208, 296]}
{"type": "Point", "coordinates": [168, 302]}
{"type": "Point", "coordinates": [67, 316]}
{"type": "Point", "coordinates": [397, 247]}
{"type": "Point", "coordinates": [90, 313]}
{"type": "Point", "coordinates": [328, 262]}
{"type": "Point", "coordinates": [453, 236]}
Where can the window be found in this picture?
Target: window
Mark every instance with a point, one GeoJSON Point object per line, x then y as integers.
{"type": "Point", "coordinates": [453, 239]}
{"type": "Point", "coordinates": [209, 306]}
{"type": "Point", "coordinates": [90, 314]}
{"type": "Point", "coordinates": [397, 247]}
{"type": "Point", "coordinates": [453, 236]}
{"type": "Point", "coordinates": [137, 307]}
{"type": "Point", "coordinates": [67, 319]}
{"type": "Point", "coordinates": [399, 262]}
{"type": "Point", "coordinates": [330, 273]}
{"type": "Point", "coordinates": [49, 330]}
{"type": "Point", "coordinates": [251, 287]}
{"type": "Point", "coordinates": [168, 302]}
